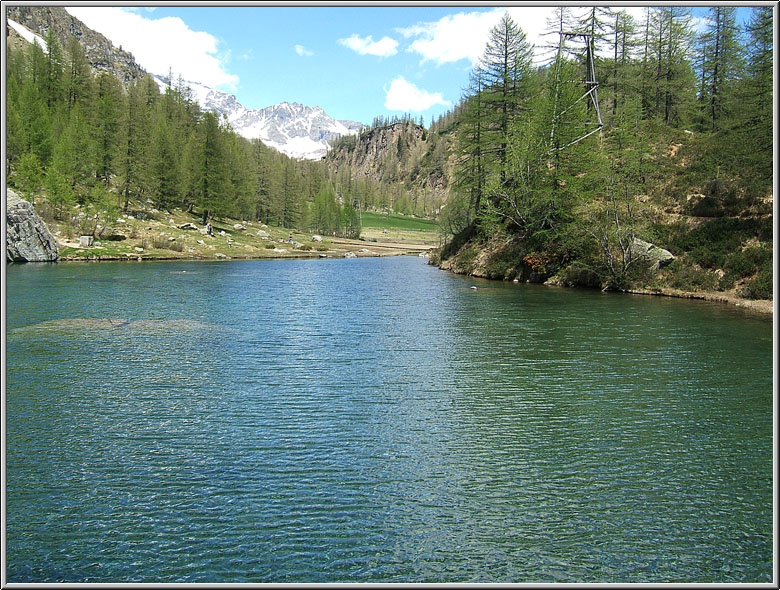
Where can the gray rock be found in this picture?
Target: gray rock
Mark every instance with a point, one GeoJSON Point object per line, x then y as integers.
{"type": "Point", "coordinates": [262, 233]}
{"type": "Point", "coordinates": [350, 255]}
{"type": "Point", "coordinates": [86, 241]}
{"type": "Point", "coordinates": [27, 237]}
{"type": "Point", "coordinates": [238, 226]}
{"type": "Point", "coordinates": [316, 238]}
{"type": "Point", "coordinates": [657, 257]}
{"type": "Point", "coordinates": [188, 226]}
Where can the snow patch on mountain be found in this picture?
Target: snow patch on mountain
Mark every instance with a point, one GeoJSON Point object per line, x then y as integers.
{"type": "Point", "coordinates": [26, 33]}
{"type": "Point", "coordinates": [294, 129]}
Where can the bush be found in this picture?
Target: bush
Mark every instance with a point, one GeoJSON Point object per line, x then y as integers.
{"type": "Point", "coordinates": [682, 275]}
{"type": "Point", "coordinates": [270, 246]}
{"type": "Point", "coordinates": [579, 275]}
{"type": "Point", "coordinates": [305, 247]}
{"type": "Point", "coordinates": [165, 244]}
{"type": "Point", "coordinates": [761, 286]}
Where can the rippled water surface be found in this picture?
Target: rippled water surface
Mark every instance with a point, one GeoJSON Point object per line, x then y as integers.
{"type": "Point", "coordinates": [377, 420]}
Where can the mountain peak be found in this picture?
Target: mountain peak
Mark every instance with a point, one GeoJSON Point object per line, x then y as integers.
{"type": "Point", "coordinates": [295, 129]}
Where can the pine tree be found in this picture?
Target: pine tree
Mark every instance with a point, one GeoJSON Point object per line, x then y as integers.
{"type": "Point", "coordinates": [78, 77]}
{"type": "Point", "coordinates": [506, 67]}
{"type": "Point", "coordinates": [109, 103]}
{"type": "Point", "coordinates": [210, 181]}
{"type": "Point", "coordinates": [721, 64]}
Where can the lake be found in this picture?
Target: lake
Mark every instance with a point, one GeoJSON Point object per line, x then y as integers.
{"type": "Point", "coordinates": [378, 420]}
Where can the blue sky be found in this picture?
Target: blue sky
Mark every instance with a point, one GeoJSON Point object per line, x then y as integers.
{"type": "Point", "coordinates": [356, 62]}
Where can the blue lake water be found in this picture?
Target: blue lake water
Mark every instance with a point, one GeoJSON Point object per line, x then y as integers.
{"type": "Point", "coordinates": [377, 420]}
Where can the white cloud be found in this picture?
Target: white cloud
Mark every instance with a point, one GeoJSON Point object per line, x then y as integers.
{"type": "Point", "coordinates": [385, 47]}
{"type": "Point", "coordinates": [463, 36]}
{"type": "Point", "coordinates": [302, 51]}
{"type": "Point", "coordinates": [454, 37]}
{"type": "Point", "coordinates": [161, 44]}
{"type": "Point", "coordinates": [405, 96]}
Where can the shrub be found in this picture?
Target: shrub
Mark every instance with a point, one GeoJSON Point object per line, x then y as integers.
{"type": "Point", "coordinates": [579, 275]}
{"type": "Point", "coordinates": [761, 286]}
{"type": "Point", "coordinates": [684, 276]}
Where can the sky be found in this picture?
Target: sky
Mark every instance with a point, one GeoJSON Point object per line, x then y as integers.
{"type": "Point", "coordinates": [356, 62]}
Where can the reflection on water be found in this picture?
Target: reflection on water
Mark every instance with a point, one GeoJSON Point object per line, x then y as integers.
{"type": "Point", "coordinates": [376, 420]}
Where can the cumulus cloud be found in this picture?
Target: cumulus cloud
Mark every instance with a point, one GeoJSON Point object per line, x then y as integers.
{"type": "Point", "coordinates": [464, 35]}
{"type": "Point", "coordinates": [385, 47]}
{"type": "Point", "coordinates": [302, 51]}
{"type": "Point", "coordinates": [162, 44]}
{"type": "Point", "coordinates": [405, 96]}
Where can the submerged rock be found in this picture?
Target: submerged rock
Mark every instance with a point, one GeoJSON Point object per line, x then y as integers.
{"type": "Point", "coordinates": [27, 237]}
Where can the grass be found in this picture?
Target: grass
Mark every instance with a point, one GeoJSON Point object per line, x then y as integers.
{"type": "Point", "coordinates": [397, 222]}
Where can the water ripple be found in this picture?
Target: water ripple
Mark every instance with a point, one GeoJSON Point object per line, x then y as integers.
{"type": "Point", "coordinates": [378, 421]}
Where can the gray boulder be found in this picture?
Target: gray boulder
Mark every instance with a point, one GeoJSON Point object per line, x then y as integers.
{"type": "Point", "coordinates": [27, 237]}
{"type": "Point", "coordinates": [657, 257]}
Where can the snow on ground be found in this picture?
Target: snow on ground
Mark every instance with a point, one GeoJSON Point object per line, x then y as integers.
{"type": "Point", "coordinates": [27, 34]}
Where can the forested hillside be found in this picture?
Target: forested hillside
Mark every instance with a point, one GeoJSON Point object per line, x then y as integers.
{"type": "Point", "coordinates": [77, 136]}
{"type": "Point", "coordinates": [636, 134]}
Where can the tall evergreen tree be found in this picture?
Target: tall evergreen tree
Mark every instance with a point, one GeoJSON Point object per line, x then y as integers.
{"type": "Point", "coordinates": [506, 68]}
{"type": "Point", "coordinates": [721, 64]}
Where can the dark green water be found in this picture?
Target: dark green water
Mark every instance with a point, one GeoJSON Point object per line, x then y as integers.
{"type": "Point", "coordinates": [377, 420]}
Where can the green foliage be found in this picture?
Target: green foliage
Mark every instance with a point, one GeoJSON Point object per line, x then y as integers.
{"type": "Point", "coordinates": [61, 193]}
{"type": "Point", "coordinates": [761, 287]}
{"type": "Point", "coordinates": [745, 263]}
{"type": "Point", "coordinates": [681, 274]}
{"type": "Point", "coordinates": [29, 176]}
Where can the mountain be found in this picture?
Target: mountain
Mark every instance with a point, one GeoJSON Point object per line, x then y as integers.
{"type": "Point", "coordinates": [403, 154]}
{"type": "Point", "coordinates": [294, 129]}
{"type": "Point", "coordinates": [32, 22]}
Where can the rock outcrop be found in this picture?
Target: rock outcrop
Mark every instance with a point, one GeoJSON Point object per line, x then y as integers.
{"type": "Point", "coordinates": [99, 51]}
{"type": "Point", "coordinates": [656, 257]}
{"type": "Point", "coordinates": [404, 154]}
{"type": "Point", "coordinates": [27, 237]}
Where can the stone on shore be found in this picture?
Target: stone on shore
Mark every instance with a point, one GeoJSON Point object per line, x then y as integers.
{"type": "Point", "coordinates": [27, 237]}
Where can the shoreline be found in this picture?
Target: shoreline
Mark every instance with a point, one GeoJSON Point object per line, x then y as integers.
{"type": "Point", "coordinates": [760, 307]}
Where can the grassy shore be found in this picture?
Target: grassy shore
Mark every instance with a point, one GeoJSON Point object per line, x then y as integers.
{"type": "Point", "coordinates": [146, 233]}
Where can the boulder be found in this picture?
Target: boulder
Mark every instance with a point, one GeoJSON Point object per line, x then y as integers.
{"type": "Point", "coordinates": [316, 238]}
{"type": "Point", "coordinates": [187, 226]}
{"type": "Point", "coordinates": [657, 257]}
{"type": "Point", "coordinates": [350, 255]}
{"type": "Point", "coordinates": [86, 241]}
{"type": "Point", "coordinates": [27, 237]}
{"type": "Point", "coordinates": [238, 226]}
{"type": "Point", "coordinates": [262, 233]}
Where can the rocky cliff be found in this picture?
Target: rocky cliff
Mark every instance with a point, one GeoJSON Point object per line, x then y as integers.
{"type": "Point", "coordinates": [27, 237]}
{"type": "Point", "coordinates": [403, 153]}
{"type": "Point", "coordinates": [99, 51]}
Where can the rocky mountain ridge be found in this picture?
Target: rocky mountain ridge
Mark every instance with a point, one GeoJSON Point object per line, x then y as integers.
{"type": "Point", "coordinates": [402, 153]}
{"type": "Point", "coordinates": [99, 51]}
{"type": "Point", "coordinates": [295, 129]}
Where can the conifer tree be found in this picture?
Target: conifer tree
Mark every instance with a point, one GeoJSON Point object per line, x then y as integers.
{"type": "Point", "coordinates": [721, 64]}
{"type": "Point", "coordinates": [109, 102]}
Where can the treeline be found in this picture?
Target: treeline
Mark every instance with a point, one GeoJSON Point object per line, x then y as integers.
{"type": "Point", "coordinates": [84, 139]}
{"type": "Point", "coordinates": [557, 156]}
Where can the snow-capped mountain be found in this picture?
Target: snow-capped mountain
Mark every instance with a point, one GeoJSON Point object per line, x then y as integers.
{"type": "Point", "coordinates": [294, 129]}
